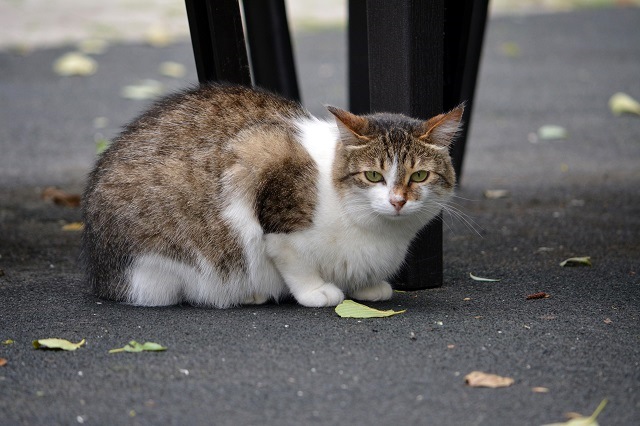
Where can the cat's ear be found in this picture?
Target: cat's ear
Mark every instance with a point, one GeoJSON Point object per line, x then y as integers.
{"type": "Point", "coordinates": [442, 129]}
{"type": "Point", "coordinates": [352, 127]}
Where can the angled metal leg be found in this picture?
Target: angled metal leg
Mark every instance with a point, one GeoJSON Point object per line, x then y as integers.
{"type": "Point", "coordinates": [270, 48]}
{"type": "Point", "coordinates": [218, 41]}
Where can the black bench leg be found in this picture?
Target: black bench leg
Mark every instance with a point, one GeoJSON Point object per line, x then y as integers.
{"type": "Point", "coordinates": [406, 76]}
{"type": "Point", "coordinates": [270, 47]}
{"type": "Point", "coordinates": [218, 41]}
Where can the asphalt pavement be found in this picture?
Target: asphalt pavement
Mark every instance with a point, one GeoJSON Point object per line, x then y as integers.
{"type": "Point", "coordinates": [282, 364]}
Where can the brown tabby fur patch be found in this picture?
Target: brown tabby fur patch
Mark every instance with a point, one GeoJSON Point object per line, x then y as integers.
{"type": "Point", "coordinates": [159, 187]}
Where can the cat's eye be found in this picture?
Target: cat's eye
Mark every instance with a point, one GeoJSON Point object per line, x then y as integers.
{"type": "Point", "coordinates": [373, 176]}
{"type": "Point", "coordinates": [419, 176]}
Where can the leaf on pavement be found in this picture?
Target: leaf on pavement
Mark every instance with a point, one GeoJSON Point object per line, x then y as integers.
{"type": "Point", "coordinates": [75, 63]}
{"type": "Point", "coordinates": [172, 69]}
{"type": "Point", "coordinates": [494, 194]}
{"type": "Point", "coordinates": [476, 278]}
{"type": "Point", "coordinates": [577, 261]}
{"type": "Point", "coordinates": [134, 346]}
{"type": "Point", "coordinates": [478, 379]}
{"type": "Point", "coordinates": [61, 197]}
{"type": "Point", "coordinates": [552, 132]}
{"type": "Point", "coordinates": [63, 344]}
{"type": "Point", "coordinates": [351, 309]}
{"type": "Point", "coordinates": [3, 362]}
{"type": "Point", "coordinates": [584, 421]}
{"type": "Point", "coordinates": [621, 103]}
{"type": "Point", "coordinates": [73, 226]}
{"type": "Point", "coordinates": [145, 89]}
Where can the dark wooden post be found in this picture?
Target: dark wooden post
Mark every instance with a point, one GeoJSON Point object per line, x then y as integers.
{"type": "Point", "coordinates": [406, 51]}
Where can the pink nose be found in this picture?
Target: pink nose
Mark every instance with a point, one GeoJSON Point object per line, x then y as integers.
{"type": "Point", "coordinates": [397, 204]}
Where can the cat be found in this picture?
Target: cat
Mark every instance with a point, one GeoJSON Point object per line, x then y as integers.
{"type": "Point", "coordinates": [224, 195]}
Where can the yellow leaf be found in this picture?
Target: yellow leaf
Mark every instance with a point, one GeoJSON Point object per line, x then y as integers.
{"type": "Point", "coordinates": [351, 309]}
{"type": "Point", "coordinates": [63, 344]}
{"type": "Point", "coordinates": [621, 103]}
{"type": "Point", "coordinates": [478, 379]}
{"type": "Point", "coordinates": [584, 421]}
{"type": "Point", "coordinates": [73, 226]}
{"type": "Point", "coordinates": [146, 89]}
{"type": "Point", "coordinates": [172, 69]}
{"type": "Point", "coordinates": [577, 261]}
{"type": "Point", "coordinates": [75, 63]}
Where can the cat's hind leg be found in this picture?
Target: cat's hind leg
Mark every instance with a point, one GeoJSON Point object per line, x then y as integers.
{"type": "Point", "coordinates": [155, 280]}
{"type": "Point", "coordinates": [374, 293]}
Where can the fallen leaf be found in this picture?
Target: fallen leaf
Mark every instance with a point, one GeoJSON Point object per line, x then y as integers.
{"type": "Point", "coordinates": [63, 344]}
{"type": "Point", "coordinates": [172, 69]}
{"type": "Point", "coordinates": [75, 63]}
{"type": "Point", "coordinates": [608, 321]}
{"type": "Point", "coordinates": [73, 226]}
{"type": "Point", "coordinates": [540, 389]}
{"type": "Point", "coordinates": [621, 103]}
{"type": "Point", "coordinates": [158, 36]}
{"type": "Point", "coordinates": [61, 197]}
{"type": "Point", "coordinates": [552, 132]}
{"type": "Point", "coordinates": [3, 362]}
{"type": "Point", "coordinates": [93, 46]}
{"type": "Point", "coordinates": [351, 309]}
{"type": "Point", "coordinates": [583, 421]}
{"type": "Point", "coordinates": [478, 379]}
{"type": "Point", "coordinates": [475, 278]}
{"type": "Point", "coordinates": [134, 346]}
{"type": "Point", "coordinates": [101, 145]}
{"type": "Point", "coordinates": [145, 89]}
{"type": "Point", "coordinates": [8, 342]}
{"type": "Point", "coordinates": [494, 194]}
{"type": "Point", "coordinates": [510, 49]}
{"type": "Point", "coordinates": [540, 295]}
{"type": "Point", "coordinates": [577, 261]}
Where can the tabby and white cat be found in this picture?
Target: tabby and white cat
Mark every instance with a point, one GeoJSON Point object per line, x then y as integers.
{"type": "Point", "coordinates": [225, 195]}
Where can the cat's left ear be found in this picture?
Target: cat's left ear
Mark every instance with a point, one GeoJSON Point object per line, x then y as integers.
{"type": "Point", "coordinates": [442, 129]}
{"type": "Point", "coordinates": [352, 127]}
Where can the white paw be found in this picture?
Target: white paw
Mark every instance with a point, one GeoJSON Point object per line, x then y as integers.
{"type": "Point", "coordinates": [382, 291]}
{"type": "Point", "coordinates": [255, 299]}
{"type": "Point", "coordinates": [325, 295]}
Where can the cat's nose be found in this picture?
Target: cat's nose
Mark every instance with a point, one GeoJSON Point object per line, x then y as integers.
{"type": "Point", "coordinates": [398, 203]}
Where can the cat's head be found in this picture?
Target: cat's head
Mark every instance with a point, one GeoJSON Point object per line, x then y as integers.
{"type": "Point", "coordinates": [394, 167]}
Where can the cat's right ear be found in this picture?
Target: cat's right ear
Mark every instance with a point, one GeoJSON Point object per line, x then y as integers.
{"type": "Point", "coordinates": [352, 127]}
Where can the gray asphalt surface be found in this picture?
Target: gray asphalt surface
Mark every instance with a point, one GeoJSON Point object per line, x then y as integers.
{"type": "Point", "coordinates": [288, 365]}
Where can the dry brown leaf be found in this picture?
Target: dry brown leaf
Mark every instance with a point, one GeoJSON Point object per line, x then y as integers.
{"type": "Point", "coordinates": [540, 295]}
{"type": "Point", "coordinates": [61, 197]}
{"type": "Point", "coordinates": [540, 389]}
{"type": "Point", "coordinates": [3, 362]}
{"type": "Point", "coordinates": [478, 379]}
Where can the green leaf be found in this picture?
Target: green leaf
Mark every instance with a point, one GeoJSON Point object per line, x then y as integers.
{"type": "Point", "coordinates": [621, 103]}
{"type": "Point", "coordinates": [577, 261]}
{"type": "Point", "coordinates": [475, 278]}
{"type": "Point", "coordinates": [8, 342]}
{"type": "Point", "coordinates": [551, 132]}
{"type": "Point", "coordinates": [63, 344]}
{"type": "Point", "coordinates": [101, 145]}
{"type": "Point", "coordinates": [134, 346]}
{"type": "Point", "coordinates": [351, 309]}
{"type": "Point", "coordinates": [584, 421]}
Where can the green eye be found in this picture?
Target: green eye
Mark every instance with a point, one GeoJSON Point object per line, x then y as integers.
{"type": "Point", "coordinates": [419, 176]}
{"type": "Point", "coordinates": [373, 176]}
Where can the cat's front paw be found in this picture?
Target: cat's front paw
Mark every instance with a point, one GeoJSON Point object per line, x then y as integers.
{"type": "Point", "coordinates": [374, 293]}
{"type": "Point", "coordinates": [325, 295]}
{"type": "Point", "coordinates": [255, 299]}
